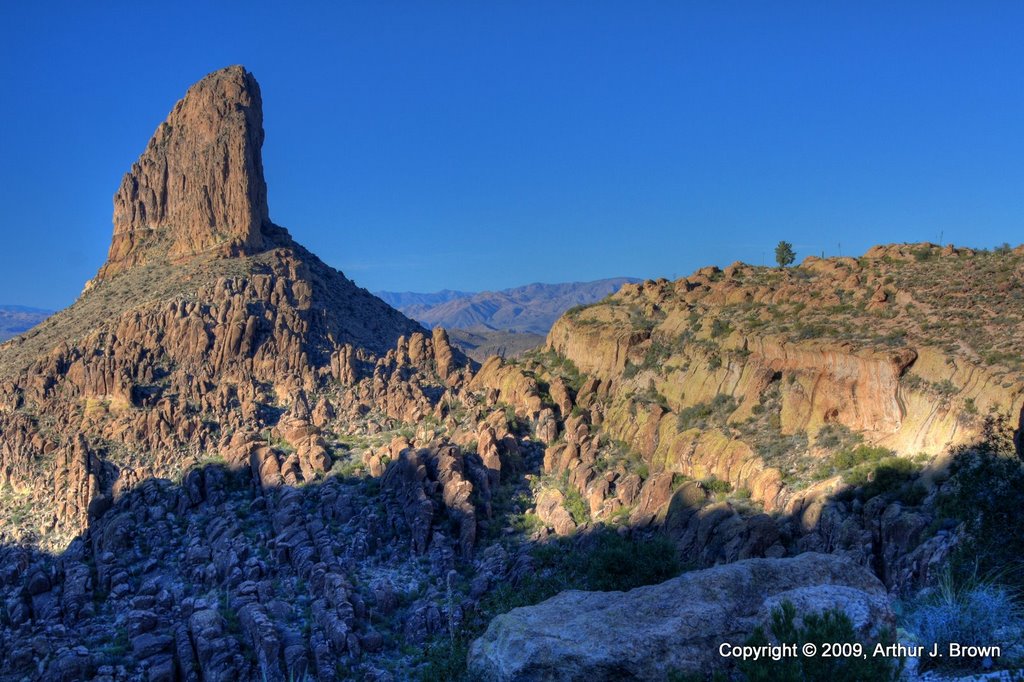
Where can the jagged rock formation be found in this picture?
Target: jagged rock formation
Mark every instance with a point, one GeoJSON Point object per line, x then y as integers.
{"type": "Point", "coordinates": [676, 627]}
{"type": "Point", "coordinates": [205, 318]}
{"type": "Point", "coordinates": [198, 187]}
{"type": "Point", "coordinates": [751, 375]}
{"type": "Point", "coordinates": [888, 345]}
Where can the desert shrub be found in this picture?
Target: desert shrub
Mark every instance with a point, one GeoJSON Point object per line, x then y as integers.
{"type": "Point", "coordinates": [720, 328]}
{"type": "Point", "coordinates": [895, 477]}
{"type": "Point", "coordinates": [923, 254]}
{"type": "Point", "coordinates": [856, 461]}
{"type": "Point", "coordinates": [622, 563]}
{"type": "Point", "coordinates": [985, 492]}
{"type": "Point", "coordinates": [716, 485]}
{"type": "Point", "coordinates": [773, 446]}
{"type": "Point", "coordinates": [835, 436]}
{"type": "Point", "coordinates": [678, 479]}
{"type": "Point", "coordinates": [912, 381]}
{"type": "Point", "coordinates": [862, 454]}
{"type": "Point", "coordinates": [655, 355]}
{"type": "Point", "coordinates": [828, 627]}
{"type": "Point", "coordinates": [651, 396]}
{"type": "Point", "coordinates": [806, 331]}
{"type": "Point", "coordinates": [720, 407]}
{"type": "Point", "coordinates": [973, 613]}
{"type": "Point", "coordinates": [576, 506]}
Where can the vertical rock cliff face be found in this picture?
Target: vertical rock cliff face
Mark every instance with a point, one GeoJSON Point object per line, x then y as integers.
{"type": "Point", "coordinates": [198, 188]}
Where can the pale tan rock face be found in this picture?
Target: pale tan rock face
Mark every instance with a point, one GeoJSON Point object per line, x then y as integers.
{"type": "Point", "coordinates": [199, 187]}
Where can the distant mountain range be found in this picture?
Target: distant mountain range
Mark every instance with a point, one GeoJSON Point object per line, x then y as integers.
{"type": "Point", "coordinates": [528, 309]}
{"type": "Point", "coordinates": [15, 319]}
{"type": "Point", "coordinates": [410, 299]}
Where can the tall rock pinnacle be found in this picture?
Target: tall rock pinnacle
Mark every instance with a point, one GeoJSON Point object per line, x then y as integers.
{"type": "Point", "coordinates": [199, 187]}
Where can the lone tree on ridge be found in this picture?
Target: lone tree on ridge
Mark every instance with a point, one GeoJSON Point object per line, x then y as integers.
{"type": "Point", "coordinates": [784, 254]}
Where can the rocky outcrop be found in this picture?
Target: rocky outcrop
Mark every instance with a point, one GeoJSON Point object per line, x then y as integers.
{"type": "Point", "coordinates": [838, 352]}
{"type": "Point", "coordinates": [206, 327]}
{"type": "Point", "coordinates": [199, 187]}
{"type": "Point", "coordinates": [675, 627]}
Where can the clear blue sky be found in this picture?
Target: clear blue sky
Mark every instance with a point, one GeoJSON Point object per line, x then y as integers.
{"type": "Point", "coordinates": [480, 145]}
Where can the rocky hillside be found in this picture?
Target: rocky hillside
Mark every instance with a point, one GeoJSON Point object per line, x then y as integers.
{"type": "Point", "coordinates": [204, 309]}
{"type": "Point", "coordinates": [910, 346]}
{"type": "Point", "coordinates": [749, 408]}
{"type": "Point", "coordinates": [226, 461]}
{"type": "Point", "coordinates": [528, 309]}
{"type": "Point", "coordinates": [17, 319]}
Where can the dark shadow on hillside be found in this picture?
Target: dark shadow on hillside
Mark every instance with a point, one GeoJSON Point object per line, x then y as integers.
{"type": "Point", "coordinates": [219, 577]}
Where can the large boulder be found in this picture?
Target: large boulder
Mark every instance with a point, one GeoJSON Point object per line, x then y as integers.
{"type": "Point", "coordinates": [679, 625]}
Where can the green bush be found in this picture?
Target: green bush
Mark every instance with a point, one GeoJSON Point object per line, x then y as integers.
{"type": "Point", "coordinates": [828, 627]}
{"type": "Point", "coordinates": [897, 478]}
{"type": "Point", "coordinates": [985, 492]}
{"type": "Point", "coordinates": [784, 254]}
{"type": "Point", "coordinates": [716, 486]}
{"type": "Point", "coordinates": [621, 563]}
{"type": "Point", "coordinates": [576, 506]}
{"type": "Point", "coordinates": [720, 407]}
{"type": "Point", "coordinates": [857, 463]}
{"type": "Point", "coordinates": [720, 328]}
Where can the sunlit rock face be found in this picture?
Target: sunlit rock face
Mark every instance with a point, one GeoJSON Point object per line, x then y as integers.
{"type": "Point", "coordinates": [199, 186]}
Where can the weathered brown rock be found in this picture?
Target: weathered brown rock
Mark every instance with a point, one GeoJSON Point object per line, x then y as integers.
{"type": "Point", "coordinates": [199, 187]}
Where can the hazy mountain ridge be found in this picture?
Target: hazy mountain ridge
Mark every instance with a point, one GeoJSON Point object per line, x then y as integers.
{"type": "Point", "coordinates": [16, 319]}
{"type": "Point", "coordinates": [410, 299]}
{"type": "Point", "coordinates": [531, 308]}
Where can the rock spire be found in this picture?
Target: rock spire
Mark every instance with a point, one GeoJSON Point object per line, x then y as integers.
{"type": "Point", "coordinates": [199, 186]}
